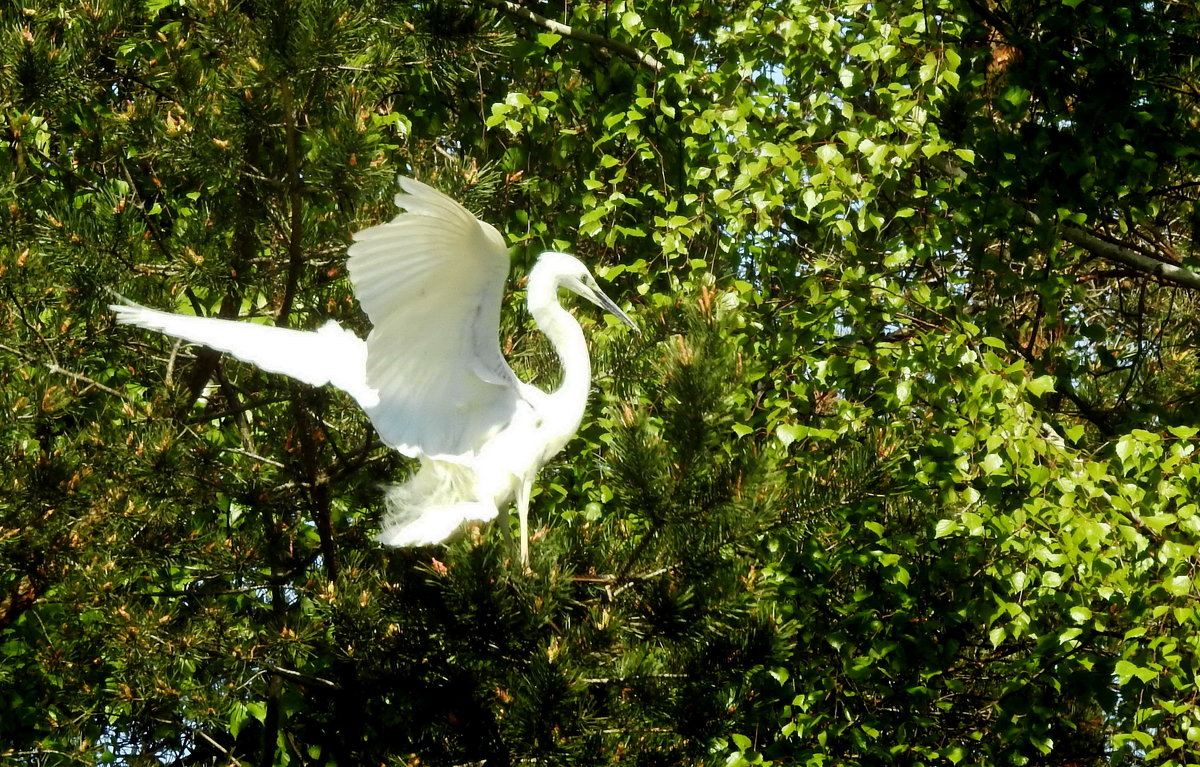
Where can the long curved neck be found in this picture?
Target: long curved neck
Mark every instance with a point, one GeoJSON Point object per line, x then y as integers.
{"type": "Point", "coordinates": [567, 339]}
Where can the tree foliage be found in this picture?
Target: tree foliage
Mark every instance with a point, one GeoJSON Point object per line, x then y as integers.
{"type": "Point", "coordinates": [900, 470]}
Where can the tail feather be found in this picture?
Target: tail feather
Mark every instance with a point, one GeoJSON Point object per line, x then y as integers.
{"type": "Point", "coordinates": [432, 504]}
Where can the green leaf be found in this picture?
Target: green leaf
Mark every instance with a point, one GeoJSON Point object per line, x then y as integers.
{"type": "Point", "coordinates": [787, 433]}
{"type": "Point", "coordinates": [991, 463]}
{"type": "Point", "coordinates": [1124, 671]}
{"type": "Point", "coordinates": [1041, 385]}
{"type": "Point", "coordinates": [1125, 448]}
{"type": "Point", "coordinates": [829, 154]}
{"type": "Point", "coordinates": [1179, 585]}
{"type": "Point", "coordinates": [996, 635]}
{"type": "Point", "coordinates": [945, 527]}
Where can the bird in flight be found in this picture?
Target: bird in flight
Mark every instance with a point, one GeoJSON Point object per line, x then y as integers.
{"type": "Point", "coordinates": [430, 374]}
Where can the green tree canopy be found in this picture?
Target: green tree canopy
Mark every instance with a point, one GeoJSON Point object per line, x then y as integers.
{"type": "Point", "coordinates": [901, 469]}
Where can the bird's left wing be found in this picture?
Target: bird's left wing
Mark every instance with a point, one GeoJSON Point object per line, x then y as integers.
{"type": "Point", "coordinates": [431, 281]}
{"type": "Point", "coordinates": [330, 355]}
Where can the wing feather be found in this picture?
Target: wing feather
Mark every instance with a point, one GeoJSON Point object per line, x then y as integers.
{"type": "Point", "coordinates": [331, 355]}
{"type": "Point", "coordinates": [432, 280]}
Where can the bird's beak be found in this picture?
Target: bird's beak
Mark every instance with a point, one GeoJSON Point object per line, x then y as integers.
{"type": "Point", "coordinates": [610, 306]}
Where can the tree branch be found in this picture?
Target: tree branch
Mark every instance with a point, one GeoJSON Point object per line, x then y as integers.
{"type": "Point", "coordinates": [1111, 251]}
{"type": "Point", "coordinates": [295, 209]}
{"type": "Point", "coordinates": [316, 480]}
{"type": "Point", "coordinates": [1077, 235]}
{"type": "Point", "coordinates": [615, 46]}
{"type": "Point", "coordinates": [56, 369]}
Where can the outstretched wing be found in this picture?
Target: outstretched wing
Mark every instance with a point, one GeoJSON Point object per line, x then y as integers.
{"type": "Point", "coordinates": [431, 281]}
{"type": "Point", "coordinates": [330, 355]}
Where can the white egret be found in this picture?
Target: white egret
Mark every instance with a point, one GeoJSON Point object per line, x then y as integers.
{"type": "Point", "coordinates": [430, 374]}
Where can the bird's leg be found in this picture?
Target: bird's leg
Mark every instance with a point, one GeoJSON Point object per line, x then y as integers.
{"type": "Point", "coordinates": [523, 491]}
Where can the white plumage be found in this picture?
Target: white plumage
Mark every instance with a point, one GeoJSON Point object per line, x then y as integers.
{"type": "Point", "coordinates": [430, 375]}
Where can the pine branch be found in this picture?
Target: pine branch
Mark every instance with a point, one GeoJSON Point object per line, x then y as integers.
{"type": "Point", "coordinates": [57, 369]}
{"type": "Point", "coordinates": [558, 28]}
{"type": "Point", "coordinates": [1077, 235]}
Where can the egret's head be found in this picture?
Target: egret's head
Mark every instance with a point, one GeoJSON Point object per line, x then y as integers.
{"type": "Point", "coordinates": [570, 273]}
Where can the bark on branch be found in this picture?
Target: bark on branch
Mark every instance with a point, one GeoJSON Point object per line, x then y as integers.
{"type": "Point", "coordinates": [1077, 235]}
{"type": "Point", "coordinates": [615, 46]}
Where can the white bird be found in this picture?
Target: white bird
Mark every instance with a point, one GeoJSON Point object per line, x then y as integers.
{"type": "Point", "coordinates": [430, 375]}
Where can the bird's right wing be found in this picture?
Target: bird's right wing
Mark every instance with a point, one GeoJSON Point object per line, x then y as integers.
{"type": "Point", "coordinates": [431, 281]}
{"type": "Point", "coordinates": [330, 355]}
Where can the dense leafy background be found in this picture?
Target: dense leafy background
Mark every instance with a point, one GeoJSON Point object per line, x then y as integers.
{"type": "Point", "coordinates": [901, 469]}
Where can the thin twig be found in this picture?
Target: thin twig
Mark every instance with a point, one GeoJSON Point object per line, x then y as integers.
{"type": "Point", "coordinates": [43, 752]}
{"type": "Point", "coordinates": [57, 369]}
{"type": "Point", "coordinates": [255, 456]}
{"type": "Point", "coordinates": [298, 676]}
{"type": "Point", "coordinates": [635, 677]}
{"type": "Point", "coordinates": [20, 309]}
{"type": "Point", "coordinates": [233, 759]}
{"type": "Point", "coordinates": [558, 28]}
